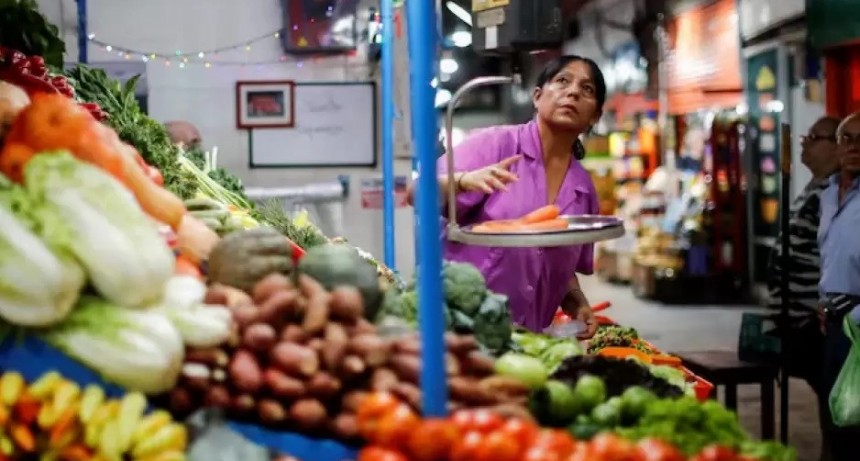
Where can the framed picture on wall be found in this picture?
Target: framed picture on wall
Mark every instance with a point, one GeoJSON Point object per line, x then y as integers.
{"type": "Point", "coordinates": [265, 104]}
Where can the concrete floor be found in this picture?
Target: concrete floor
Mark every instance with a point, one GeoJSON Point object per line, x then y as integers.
{"type": "Point", "coordinates": [697, 328]}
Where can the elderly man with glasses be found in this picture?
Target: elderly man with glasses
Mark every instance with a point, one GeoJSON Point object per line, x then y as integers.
{"type": "Point", "coordinates": [839, 286]}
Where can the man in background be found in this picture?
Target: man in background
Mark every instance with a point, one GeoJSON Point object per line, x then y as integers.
{"type": "Point", "coordinates": [840, 274]}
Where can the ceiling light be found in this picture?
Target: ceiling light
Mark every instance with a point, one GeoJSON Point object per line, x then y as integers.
{"type": "Point", "coordinates": [442, 97]}
{"type": "Point", "coordinates": [461, 38]}
{"type": "Point", "coordinates": [448, 66]}
{"type": "Point", "coordinates": [460, 12]}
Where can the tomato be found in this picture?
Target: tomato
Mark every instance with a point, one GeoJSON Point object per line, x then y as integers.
{"type": "Point", "coordinates": [372, 410]}
{"type": "Point", "coordinates": [523, 432]}
{"type": "Point", "coordinates": [585, 452]}
{"type": "Point", "coordinates": [433, 440]}
{"type": "Point", "coordinates": [466, 449]}
{"type": "Point", "coordinates": [555, 441]}
{"type": "Point", "coordinates": [716, 453]}
{"type": "Point", "coordinates": [614, 448]}
{"type": "Point", "coordinates": [393, 429]}
{"type": "Point", "coordinates": [498, 446]}
{"type": "Point", "coordinates": [540, 453]}
{"type": "Point", "coordinates": [380, 454]}
{"type": "Point", "coordinates": [482, 421]}
{"type": "Point", "coordinates": [658, 450]}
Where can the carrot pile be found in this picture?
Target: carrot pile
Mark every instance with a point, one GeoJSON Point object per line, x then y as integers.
{"type": "Point", "coordinates": [544, 219]}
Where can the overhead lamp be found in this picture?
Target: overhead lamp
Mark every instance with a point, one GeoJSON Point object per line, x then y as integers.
{"type": "Point", "coordinates": [460, 12]}
{"type": "Point", "coordinates": [461, 38]}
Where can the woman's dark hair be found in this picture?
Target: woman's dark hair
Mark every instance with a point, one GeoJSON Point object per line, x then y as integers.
{"type": "Point", "coordinates": [555, 66]}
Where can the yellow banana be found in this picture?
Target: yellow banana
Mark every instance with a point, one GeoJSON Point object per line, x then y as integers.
{"type": "Point", "coordinates": [131, 411]}
{"type": "Point", "coordinates": [109, 443]}
{"type": "Point", "coordinates": [172, 437]}
{"type": "Point", "coordinates": [11, 387]}
{"type": "Point", "coordinates": [149, 425]}
{"type": "Point", "coordinates": [92, 398]}
{"type": "Point", "coordinates": [44, 387]}
{"type": "Point", "coordinates": [103, 416]}
{"type": "Point", "coordinates": [6, 445]}
{"type": "Point", "coordinates": [47, 416]}
{"type": "Point", "coordinates": [166, 456]}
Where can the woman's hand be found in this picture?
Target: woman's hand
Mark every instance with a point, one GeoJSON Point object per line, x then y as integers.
{"type": "Point", "coordinates": [586, 315]}
{"type": "Point", "coordinates": [488, 179]}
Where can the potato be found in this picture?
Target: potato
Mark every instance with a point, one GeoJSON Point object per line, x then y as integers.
{"type": "Point", "coordinates": [181, 401]}
{"type": "Point", "coordinates": [408, 345]}
{"type": "Point", "coordinates": [317, 313]}
{"type": "Point", "coordinates": [218, 397]}
{"type": "Point", "coordinates": [270, 285]}
{"type": "Point", "coordinates": [282, 305]}
{"type": "Point", "coordinates": [243, 404]}
{"type": "Point", "coordinates": [371, 348]}
{"type": "Point", "coordinates": [514, 411]}
{"type": "Point", "coordinates": [317, 345]}
{"type": "Point", "coordinates": [259, 337]}
{"type": "Point", "coordinates": [218, 295]}
{"type": "Point", "coordinates": [362, 326]}
{"type": "Point", "coordinates": [336, 343]}
{"type": "Point", "coordinates": [245, 372]}
{"type": "Point", "coordinates": [346, 304]}
{"type": "Point", "coordinates": [283, 386]}
{"type": "Point", "coordinates": [245, 315]}
{"type": "Point", "coordinates": [235, 296]}
{"type": "Point", "coordinates": [310, 288]}
{"type": "Point", "coordinates": [213, 357]}
{"type": "Point", "coordinates": [352, 400]}
{"type": "Point", "coordinates": [294, 359]}
{"type": "Point", "coordinates": [352, 367]}
{"type": "Point", "coordinates": [410, 394]}
{"type": "Point", "coordinates": [345, 426]}
{"type": "Point", "coordinates": [407, 367]}
{"type": "Point", "coordinates": [460, 344]}
{"type": "Point", "coordinates": [323, 385]}
{"type": "Point", "coordinates": [271, 412]}
{"type": "Point", "coordinates": [452, 365]}
{"type": "Point", "coordinates": [467, 390]}
{"type": "Point", "coordinates": [308, 414]}
{"type": "Point", "coordinates": [293, 333]}
{"type": "Point", "coordinates": [476, 363]}
{"type": "Point", "coordinates": [504, 388]}
{"type": "Point", "coordinates": [383, 380]}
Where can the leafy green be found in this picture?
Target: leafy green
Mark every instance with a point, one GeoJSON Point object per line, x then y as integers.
{"type": "Point", "coordinates": [464, 285]}
{"type": "Point", "coordinates": [550, 350]}
{"type": "Point", "coordinates": [493, 323]}
{"type": "Point", "coordinates": [25, 29]}
{"type": "Point", "coordinates": [272, 212]}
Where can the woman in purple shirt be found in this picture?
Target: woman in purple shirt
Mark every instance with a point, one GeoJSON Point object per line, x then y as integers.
{"type": "Point", "coordinates": [505, 172]}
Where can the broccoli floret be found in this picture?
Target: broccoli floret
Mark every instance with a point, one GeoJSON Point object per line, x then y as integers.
{"type": "Point", "coordinates": [465, 287]}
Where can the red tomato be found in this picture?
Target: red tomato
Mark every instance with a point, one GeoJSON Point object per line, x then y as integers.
{"type": "Point", "coordinates": [433, 440]}
{"type": "Point", "coordinates": [380, 454]}
{"type": "Point", "coordinates": [541, 453]}
{"type": "Point", "coordinates": [658, 450]}
{"type": "Point", "coordinates": [523, 432]}
{"type": "Point", "coordinates": [466, 449]}
{"type": "Point", "coordinates": [716, 453]}
{"type": "Point", "coordinates": [498, 446]}
{"type": "Point", "coordinates": [555, 441]}
{"type": "Point", "coordinates": [372, 410]}
{"type": "Point", "coordinates": [483, 421]}
{"type": "Point", "coordinates": [614, 448]}
{"type": "Point", "coordinates": [584, 452]}
{"type": "Point", "coordinates": [393, 430]}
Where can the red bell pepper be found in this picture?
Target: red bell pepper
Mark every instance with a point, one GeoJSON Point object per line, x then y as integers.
{"type": "Point", "coordinates": [298, 252]}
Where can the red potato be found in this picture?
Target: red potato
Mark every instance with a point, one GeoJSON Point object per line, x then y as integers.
{"type": "Point", "coordinates": [181, 401]}
{"type": "Point", "coordinates": [282, 305]}
{"type": "Point", "coordinates": [283, 386]}
{"type": "Point", "coordinates": [336, 343]}
{"type": "Point", "coordinates": [460, 344]}
{"type": "Point", "coordinates": [504, 388]}
{"type": "Point", "coordinates": [245, 315]}
{"type": "Point", "coordinates": [244, 404]}
{"type": "Point", "coordinates": [213, 357]}
{"type": "Point", "coordinates": [294, 359]}
{"type": "Point", "coordinates": [218, 295]}
{"type": "Point", "coordinates": [351, 401]}
{"type": "Point", "coordinates": [452, 365]}
{"type": "Point", "coordinates": [308, 414]}
{"type": "Point", "coordinates": [410, 394]}
{"type": "Point", "coordinates": [345, 426]}
{"type": "Point", "coordinates": [270, 285]}
{"type": "Point", "coordinates": [271, 412]}
{"type": "Point", "coordinates": [352, 367]}
{"type": "Point", "coordinates": [316, 316]}
{"type": "Point", "coordinates": [362, 326]}
{"type": "Point", "coordinates": [293, 333]}
{"type": "Point", "coordinates": [245, 372]}
{"type": "Point", "coordinates": [235, 296]}
{"type": "Point", "coordinates": [323, 386]}
{"type": "Point", "coordinates": [259, 337]}
{"type": "Point", "coordinates": [346, 304]}
{"type": "Point", "coordinates": [476, 363]}
{"type": "Point", "coordinates": [371, 348]}
{"type": "Point", "coordinates": [408, 345]}
{"type": "Point", "coordinates": [467, 390]}
{"type": "Point", "coordinates": [310, 288]}
{"type": "Point", "coordinates": [514, 411]}
{"type": "Point", "coordinates": [218, 397]}
{"type": "Point", "coordinates": [317, 345]}
{"type": "Point", "coordinates": [407, 367]}
{"type": "Point", "coordinates": [383, 380]}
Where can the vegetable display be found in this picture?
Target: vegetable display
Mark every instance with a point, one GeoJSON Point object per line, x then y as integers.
{"type": "Point", "coordinates": [618, 375]}
{"type": "Point", "coordinates": [617, 336]}
{"type": "Point", "coordinates": [550, 350]}
{"type": "Point", "coordinates": [54, 418]}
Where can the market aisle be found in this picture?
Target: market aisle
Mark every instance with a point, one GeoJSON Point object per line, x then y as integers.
{"type": "Point", "coordinates": [690, 328]}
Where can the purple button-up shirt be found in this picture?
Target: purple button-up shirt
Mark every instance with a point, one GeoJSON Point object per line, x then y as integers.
{"type": "Point", "coordinates": [534, 279]}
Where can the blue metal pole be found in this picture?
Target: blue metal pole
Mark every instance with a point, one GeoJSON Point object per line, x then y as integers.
{"type": "Point", "coordinates": [83, 32]}
{"type": "Point", "coordinates": [421, 22]}
{"type": "Point", "coordinates": [388, 132]}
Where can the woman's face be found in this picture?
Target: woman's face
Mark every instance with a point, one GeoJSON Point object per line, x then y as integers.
{"type": "Point", "coordinates": [569, 100]}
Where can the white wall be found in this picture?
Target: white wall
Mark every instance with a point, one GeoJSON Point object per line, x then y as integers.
{"type": "Point", "coordinates": [206, 97]}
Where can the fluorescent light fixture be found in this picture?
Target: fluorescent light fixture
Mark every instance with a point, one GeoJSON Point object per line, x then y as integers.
{"type": "Point", "coordinates": [461, 38]}
{"type": "Point", "coordinates": [448, 66]}
{"type": "Point", "coordinates": [460, 12]}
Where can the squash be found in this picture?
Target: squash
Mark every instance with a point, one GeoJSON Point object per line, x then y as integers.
{"type": "Point", "coordinates": [335, 265]}
{"type": "Point", "coordinates": [242, 259]}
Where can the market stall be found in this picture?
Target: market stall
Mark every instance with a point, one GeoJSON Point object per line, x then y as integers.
{"type": "Point", "coordinates": [151, 312]}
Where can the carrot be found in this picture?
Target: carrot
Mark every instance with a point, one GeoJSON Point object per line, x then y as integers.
{"type": "Point", "coordinates": [185, 266]}
{"type": "Point", "coordinates": [77, 452]}
{"type": "Point", "coordinates": [545, 213]}
{"type": "Point", "coordinates": [23, 438]}
{"type": "Point", "coordinates": [63, 428]}
{"type": "Point", "coordinates": [549, 225]}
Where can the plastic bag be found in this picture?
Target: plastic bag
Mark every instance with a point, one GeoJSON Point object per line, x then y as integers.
{"type": "Point", "coordinates": [844, 398]}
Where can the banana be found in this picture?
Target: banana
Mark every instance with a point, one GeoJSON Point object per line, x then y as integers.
{"type": "Point", "coordinates": [172, 437]}
{"type": "Point", "coordinates": [44, 387]}
{"type": "Point", "coordinates": [131, 411]}
{"type": "Point", "coordinates": [11, 388]}
{"type": "Point", "coordinates": [150, 425]}
{"type": "Point", "coordinates": [92, 399]}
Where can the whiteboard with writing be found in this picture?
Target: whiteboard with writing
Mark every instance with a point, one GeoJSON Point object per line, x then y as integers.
{"type": "Point", "coordinates": [335, 126]}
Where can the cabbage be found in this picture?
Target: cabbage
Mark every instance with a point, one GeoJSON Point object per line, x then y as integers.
{"type": "Point", "coordinates": [39, 284]}
{"type": "Point", "coordinates": [124, 255]}
{"type": "Point", "coordinates": [139, 350]}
